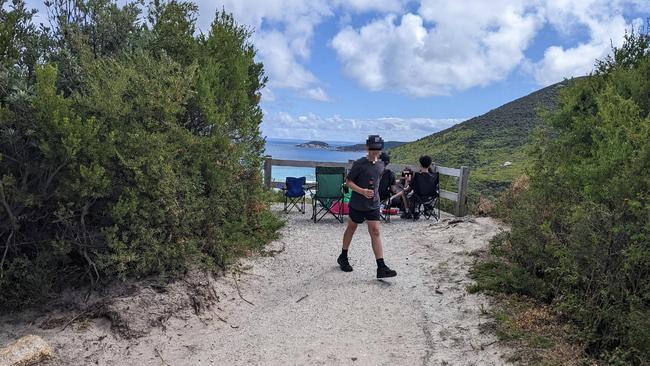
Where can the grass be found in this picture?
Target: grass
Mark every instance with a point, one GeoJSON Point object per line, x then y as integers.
{"type": "Point", "coordinates": [536, 333]}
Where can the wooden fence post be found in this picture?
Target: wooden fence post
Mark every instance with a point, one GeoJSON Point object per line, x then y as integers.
{"type": "Point", "coordinates": [350, 163]}
{"type": "Point", "coordinates": [267, 171]}
{"type": "Point", "coordinates": [463, 184]}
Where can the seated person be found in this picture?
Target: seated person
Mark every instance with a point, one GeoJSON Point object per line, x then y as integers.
{"type": "Point", "coordinates": [402, 188]}
{"type": "Point", "coordinates": [387, 180]}
{"type": "Point", "coordinates": [424, 184]}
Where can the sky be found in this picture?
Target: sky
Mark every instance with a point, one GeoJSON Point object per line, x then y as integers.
{"type": "Point", "coordinates": [343, 69]}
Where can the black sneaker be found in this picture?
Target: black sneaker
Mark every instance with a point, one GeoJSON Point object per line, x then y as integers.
{"type": "Point", "coordinates": [383, 272]}
{"type": "Point", "coordinates": [344, 263]}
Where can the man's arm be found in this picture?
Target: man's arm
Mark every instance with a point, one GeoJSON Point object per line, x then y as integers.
{"type": "Point", "coordinates": [364, 192]}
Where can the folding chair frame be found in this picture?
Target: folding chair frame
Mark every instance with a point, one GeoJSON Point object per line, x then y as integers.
{"type": "Point", "coordinates": [326, 207]}
{"type": "Point", "coordinates": [420, 207]}
{"type": "Point", "coordinates": [290, 202]}
{"type": "Point", "coordinates": [385, 205]}
{"type": "Point", "coordinates": [326, 203]}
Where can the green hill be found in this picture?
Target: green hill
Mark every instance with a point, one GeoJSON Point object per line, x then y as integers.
{"type": "Point", "coordinates": [493, 145]}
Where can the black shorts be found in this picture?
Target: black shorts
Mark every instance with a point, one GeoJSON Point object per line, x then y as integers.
{"type": "Point", "coordinates": [359, 217]}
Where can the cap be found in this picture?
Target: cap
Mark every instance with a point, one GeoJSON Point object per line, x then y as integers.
{"type": "Point", "coordinates": [375, 142]}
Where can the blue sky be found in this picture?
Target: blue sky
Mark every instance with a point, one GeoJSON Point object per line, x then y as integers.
{"type": "Point", "coordinates": [343, 69]}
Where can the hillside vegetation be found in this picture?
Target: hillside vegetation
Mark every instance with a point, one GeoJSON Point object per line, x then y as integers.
{"type": "Point", "coordinates": [127, 147]}
{"type": "Point", "coordinates": [485, 143]}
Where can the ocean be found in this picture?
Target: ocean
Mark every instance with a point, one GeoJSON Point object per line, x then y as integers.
{"type": "Point", "coordinates": [287, 149]}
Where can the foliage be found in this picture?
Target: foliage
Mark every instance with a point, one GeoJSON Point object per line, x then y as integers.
{"type": "Point", "coordinates": [125, 151]}
{"type": "Point", "coordinates": [582, 227]}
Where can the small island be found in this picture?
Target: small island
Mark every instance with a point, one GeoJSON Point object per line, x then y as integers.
{"type": "Point", "coordinates": [316, 145]}
{"type": "Point", "coordinates": [357, 147]}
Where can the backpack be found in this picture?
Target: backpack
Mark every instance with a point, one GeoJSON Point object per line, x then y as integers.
{"type": "Point", "coordinates": [385, 182]}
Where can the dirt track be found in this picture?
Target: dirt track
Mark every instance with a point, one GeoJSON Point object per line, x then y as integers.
{"type": "Point", "coordinates": [296, 307]}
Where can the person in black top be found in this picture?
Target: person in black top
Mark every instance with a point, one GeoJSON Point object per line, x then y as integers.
{"type": "Point", "coordinates": [425, 168]}
{"type": "Point", "coordinates": [363, 180]}
{"type": "Point", "coordinates": [387, 181]}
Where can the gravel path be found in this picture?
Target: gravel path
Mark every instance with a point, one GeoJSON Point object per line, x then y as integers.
{"type": "Point", "coordinates": [297, 308]}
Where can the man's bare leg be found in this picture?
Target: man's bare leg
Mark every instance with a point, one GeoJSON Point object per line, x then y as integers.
{"type": "Point", "coordinates": [375, 237]}
{"type": "Point", "coordinates": [382, 270]}
{"type": "Point", "coordinates": [348, 234]}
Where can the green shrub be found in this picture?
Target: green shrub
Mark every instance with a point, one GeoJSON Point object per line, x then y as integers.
{"type": "Point", "coordinates": [144, 158]}
{"type": "Point", "coordinates": [580, 232]}
{"type": "Point", "coordinates": [498, 275]}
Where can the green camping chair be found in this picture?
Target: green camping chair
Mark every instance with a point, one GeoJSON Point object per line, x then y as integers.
{"type": "Point", "coordinates": [330, 181]}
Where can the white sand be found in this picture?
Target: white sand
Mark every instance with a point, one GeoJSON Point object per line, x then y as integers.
{"type": "Point", "coordinates": [306, 311]}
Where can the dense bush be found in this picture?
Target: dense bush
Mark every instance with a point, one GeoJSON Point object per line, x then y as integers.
{"type": "Point", "coordinates": [126, 148]}
{"type": "Point", "coordinates": [581, 230]}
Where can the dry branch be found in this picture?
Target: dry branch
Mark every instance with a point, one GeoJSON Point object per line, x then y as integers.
{"type": "Point", "coordinates": [239, 291]}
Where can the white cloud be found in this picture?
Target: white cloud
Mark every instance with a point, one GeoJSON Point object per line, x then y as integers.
{"type": "Point", "coordinates": [605, 24]}
{"type": "Point", "coordinates": [447, 46]}
{"type": "Point", "coordinates": [450, 46]}
{"type": "Point", "coordinates": [371, 5]}
{"type": "Point", "coordinates": [337, 128]}
{"type": "Point", "coordinates": [280, 62]}
{"type": "Point", "coordinates": [442, 47]}
{"type": "Point", "coordinates": [317, 94]}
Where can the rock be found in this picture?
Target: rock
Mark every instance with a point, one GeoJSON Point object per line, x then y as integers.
{"type": "Point", "coordinates": [507, 163]}
{"type": "Point", "coordinates": [26, 351]}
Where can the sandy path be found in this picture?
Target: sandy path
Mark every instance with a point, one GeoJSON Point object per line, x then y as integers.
{"type": "Point", "coordinates": [306, 311]}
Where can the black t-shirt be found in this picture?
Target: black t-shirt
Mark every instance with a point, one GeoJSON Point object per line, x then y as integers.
{"type": "Point", "coordinates": [362, 171]}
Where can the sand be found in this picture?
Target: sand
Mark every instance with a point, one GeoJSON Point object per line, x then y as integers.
{"type": "Point", "coordinates": [291, 305]}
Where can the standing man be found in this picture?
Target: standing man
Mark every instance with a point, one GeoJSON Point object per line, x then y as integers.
{"type": "Point", "coordinates": [363, 180]}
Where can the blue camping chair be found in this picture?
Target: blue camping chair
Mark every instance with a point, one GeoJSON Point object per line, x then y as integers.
{"type": "Point", "coordinates": [294, 194]}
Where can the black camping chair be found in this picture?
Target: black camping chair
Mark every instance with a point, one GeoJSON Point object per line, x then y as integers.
{"type": "Point", "coordinates": [329, 181]}
{"type": "Point", "coordinates": [294, 194]}
{"type": "Point", "coordinates": [425, 199]}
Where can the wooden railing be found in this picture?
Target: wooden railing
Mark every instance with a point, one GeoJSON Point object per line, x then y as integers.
{"type": "Point", "coordinates": [459, 197]}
